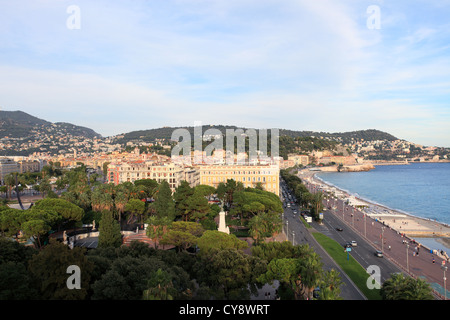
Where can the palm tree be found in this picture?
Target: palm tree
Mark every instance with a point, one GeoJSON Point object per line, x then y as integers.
{"type": "Point", "coordinates": [393, 287]}
{"type": "Point", "coordinates": [10, 182]}
{"type": "Point", "coordinates": [418, 289]}
{"type": "Point", "coordinates": [310, 273]}
{"type": "Point", "coordinates": [399, 287]}
{"type": "Point", "coordinates": [330, 286]}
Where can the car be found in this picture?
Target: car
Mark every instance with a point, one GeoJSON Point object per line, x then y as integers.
{"type": "Point", "coordinates": [379, 254]}
{"type": "Point", "coordinates": [354, 243]}
{"type": "Point", "coordinates": [348, 245]}
{"type": "Point", "coordinates": [339, 229]}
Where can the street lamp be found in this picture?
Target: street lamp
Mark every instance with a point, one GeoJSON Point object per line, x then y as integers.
{"type": "Point", "coordinates": [382, 239]}
{"type": "Point", "coordinates": [287, 228]}
{"type": "Point", "coordinates": [365, 235]}
{"type": "Point", "coordinates": [407, 265]}
{"type": "Point", "coordinates": [444, 267]}
{"type": "Point", "coordinates": [293, 233]}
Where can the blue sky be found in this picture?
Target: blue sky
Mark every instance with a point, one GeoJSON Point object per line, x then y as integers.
{"type": "Point", "coordinates": [292, 64]}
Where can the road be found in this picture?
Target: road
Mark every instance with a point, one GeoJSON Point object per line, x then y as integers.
{"type": "Point", "coordinates": [302, 235]}
{"type": "Point", "coordinates": [400, 252]}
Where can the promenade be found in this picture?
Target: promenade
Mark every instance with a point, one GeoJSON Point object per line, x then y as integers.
{"type": "Point", "coordinates": [391, 232]}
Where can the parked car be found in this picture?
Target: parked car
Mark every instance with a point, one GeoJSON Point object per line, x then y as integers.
{"type": "Point", "coordinates": [339, 229]}
{"type": "Point", "coordinates": [354, 243]}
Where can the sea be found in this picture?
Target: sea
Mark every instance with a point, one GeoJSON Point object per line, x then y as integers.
{"type": "Point", "coordinates": [418, 189]}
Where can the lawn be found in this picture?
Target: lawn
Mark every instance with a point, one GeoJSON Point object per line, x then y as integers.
{"type": "Point", "coordinates": [351, 267]}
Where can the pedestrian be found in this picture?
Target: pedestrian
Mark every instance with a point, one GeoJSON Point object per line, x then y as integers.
{"type": "Point", "coordinates": [433, 261]}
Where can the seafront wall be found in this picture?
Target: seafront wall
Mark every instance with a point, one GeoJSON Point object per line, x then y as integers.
{"type": "Point", "coordinates": [347, 168]}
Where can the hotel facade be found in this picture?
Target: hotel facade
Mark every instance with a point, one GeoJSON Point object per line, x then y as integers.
{"type": "Point", "coordinates": [249, 175]}
{"type": "Point", "coordinates": [132, 171]}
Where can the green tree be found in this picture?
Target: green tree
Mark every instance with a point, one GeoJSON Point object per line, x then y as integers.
{"type": "Point", "coordinates": [213, 239]}
{"type": "Point", "coordinates": [317, 204]}
{"type": "Point", "coordinates": [164, 205]}
{"type": "Point", "coordinates": [401, 287]}
{"type": "Point", "coordinates": [160, 286]}
{"type": "Point", "coordinates": [183, 235]}
{"type": "Point", "coordinates": [136, 208]}
{"type": "Point", "coordinates": [229, 273]}
{"type": "Point", "coordinates": [197, 207]}
{"type": "Point", "coordinates": [301, 273]}
{"type": "Point", "coordinates": [264, 225]}
{"type": "Point", "coordinates": [17, 283]}
{"type": "Point", "coordinates": [128, 277]}
{"type": "Point", "coordinates": [157, 228]}
{"type": "Point", "coordinates": [204, 190]}
{"type": "Point", "coordinates": [35, 229]}
{"type": "Point", "coordinates": [109, 231]}
{"type": "Point", "coordinates": [181, 197]}
{"type": "Point", "coordinates": [330, 284]}
{"type": "Point", "coordinates": [275, 250]}
{"type": "Point", "coordinates": [10, 182]}
{"type": "Point", "coordinates": [49, 268]}
{"type": "Point", "coordinates": [62, 207]}
{"type": "Point", "coordinates": [102, 199]}
{"type": "Point", "coordinates": [11, 221]}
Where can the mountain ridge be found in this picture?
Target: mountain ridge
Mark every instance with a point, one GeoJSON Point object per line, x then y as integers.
{"type": "Point", "coordinates": [19, 124]}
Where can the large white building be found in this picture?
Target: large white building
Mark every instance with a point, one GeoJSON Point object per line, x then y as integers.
{"type": "Point", "coordinates": [250, 175]}
{"type": "Point", "coordinates": [137, 170]}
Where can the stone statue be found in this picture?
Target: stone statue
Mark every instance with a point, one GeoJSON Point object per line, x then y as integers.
{"type": "Point", "coordinates": [222, 225]}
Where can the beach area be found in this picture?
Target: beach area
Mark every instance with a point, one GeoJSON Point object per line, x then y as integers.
{"type": "Point", "coordinates": [431, 234]}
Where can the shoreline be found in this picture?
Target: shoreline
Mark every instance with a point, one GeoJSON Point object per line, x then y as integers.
{"type": "Point", "coordinates": [403, 222]}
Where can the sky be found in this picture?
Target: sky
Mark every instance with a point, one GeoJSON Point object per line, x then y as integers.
{"type": "Point", "coordinates": [331, 66]}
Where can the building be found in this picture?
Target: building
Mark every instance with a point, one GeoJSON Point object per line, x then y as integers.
{"type": "Point", "coordinates": [192, 176]}
{"type": "Point", "coordinates": [7, 166]}
{"type": "Point", "coordinates": [342, 160]}
{"type": "Point", "coordinates": [299, 159]}
{"type": "Point", "coordinates": [249, 175]}
{"type": "Point", "coordinates": [137, 170]}
{"type": "Point", "coordinates": [29, 166]}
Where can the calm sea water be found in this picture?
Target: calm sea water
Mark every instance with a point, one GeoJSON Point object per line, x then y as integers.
{"type": "Point", "coordinates": [419, 189]}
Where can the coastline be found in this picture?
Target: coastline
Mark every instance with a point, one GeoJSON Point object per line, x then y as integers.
{"type": "Point", "coordinates": [411, 226]}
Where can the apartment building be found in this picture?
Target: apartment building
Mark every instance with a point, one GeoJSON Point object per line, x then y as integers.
{"type": "Point", "coordinates": [29, 166]}
{"type": "Point", "coordinates": [249, 175]}
{"type": "Point", "coordinates": [299, 159]}
{"type": "Point", "coordinates": [7, 166]}
{"type": "Point", "coordinates": [136, 170]}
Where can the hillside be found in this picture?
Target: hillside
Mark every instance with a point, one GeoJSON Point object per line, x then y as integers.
{"type": "Point", "coordinates": [343, 137]}
{"type": "Point", "coordinates": [20, 125]}
{"type": "Point", "coordinates": [23, 134]}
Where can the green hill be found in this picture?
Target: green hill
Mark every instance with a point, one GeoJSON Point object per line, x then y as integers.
{"type": "Point", "coordinates": [18, 124]}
